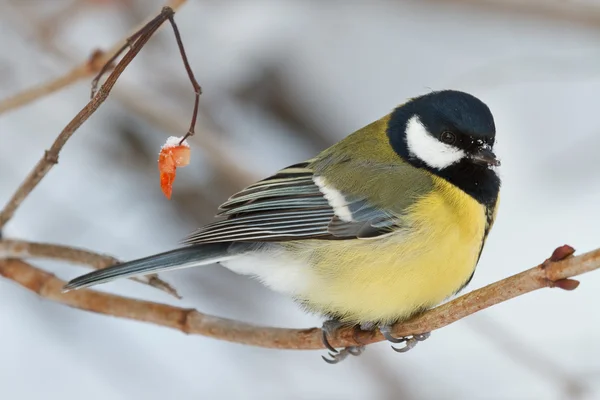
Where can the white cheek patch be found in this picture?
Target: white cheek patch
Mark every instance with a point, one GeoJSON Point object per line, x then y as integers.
{"type": "Point", "coordinates": [336, 200]}
{"type": "Point", "coordinates": [427, 148]}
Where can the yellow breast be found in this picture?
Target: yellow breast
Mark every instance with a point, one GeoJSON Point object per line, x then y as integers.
{"type": "Point", "coordinates": [390, 278]}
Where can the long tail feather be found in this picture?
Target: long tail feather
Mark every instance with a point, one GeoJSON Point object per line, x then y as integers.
{"type": "Point", "coordinates": [184, 257]}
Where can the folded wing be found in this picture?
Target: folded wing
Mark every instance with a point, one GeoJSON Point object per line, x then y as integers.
{"type": "Point", "coordinates": [294, 204]}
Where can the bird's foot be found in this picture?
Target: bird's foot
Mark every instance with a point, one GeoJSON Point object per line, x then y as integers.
{"type": "Point", "coordinates": [410, 341]}
{"type": "Point", "coordinates": [335, 356]}
{"type": "Point", "coordinates": [341, 355]}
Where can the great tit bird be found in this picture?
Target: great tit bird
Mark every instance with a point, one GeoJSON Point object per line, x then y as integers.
{"type": "Point", "coordinates": [386, 223]}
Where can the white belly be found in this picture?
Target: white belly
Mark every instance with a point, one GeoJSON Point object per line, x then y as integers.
{"type": "Point", "coordinates": [275, 269]}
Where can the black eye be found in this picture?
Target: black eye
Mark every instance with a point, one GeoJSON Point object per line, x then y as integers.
{"type": "Point", "coordinates": [448, 137]}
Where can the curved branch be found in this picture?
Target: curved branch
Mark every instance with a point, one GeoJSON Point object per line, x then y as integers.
{"type": "Point", "coordinates": [87, 69]}
{"type": "Point", "coordinates": [23, 249]}
{"type": "Point", "coordinates": [554, 272]}
{"type": "Point", "coordinates": [90, 67]}
{"type": "Point", "coordinates": [50, 157]}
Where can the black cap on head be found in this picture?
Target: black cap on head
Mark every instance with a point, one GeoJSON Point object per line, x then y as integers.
{"type": "Point", "coordinates": [451, 134]}
{"type": "Point", "coordinates": [465, 116]}
{"type": "Point", "coordinates": [457, 111]}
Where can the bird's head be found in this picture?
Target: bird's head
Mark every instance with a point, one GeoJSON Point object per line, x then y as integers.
{"type": "Point", "coordinates": [444, 128]}
{"type": "Point", "coordinates": [449, 133]}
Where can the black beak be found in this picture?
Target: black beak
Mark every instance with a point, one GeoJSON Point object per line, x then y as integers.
{"type": "Point", "coordinates": [485, 157]}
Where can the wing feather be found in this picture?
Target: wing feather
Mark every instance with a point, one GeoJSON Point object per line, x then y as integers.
{"type": "Point", "coordinates": [290, 206]}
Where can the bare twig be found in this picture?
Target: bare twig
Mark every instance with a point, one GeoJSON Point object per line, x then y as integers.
{"type": "Point", "coordinates": [150, 26]}
{"type": "Point", "coordinates": [26, 250]}
{"type": "Point", "coordinates": [83, 71]}
{"type": "Point", "coordinates": [215, 150]}
{"type": "Point", "coordinates": [51, 156]}
{"type": "Point", "coordinates": [551, 273]}
{"type": "Point", "coordinates": [195, 85]}
{"type": "Point", "coordinates": [129, 96]}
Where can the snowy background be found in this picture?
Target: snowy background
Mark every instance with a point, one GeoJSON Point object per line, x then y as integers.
{"type": "Point", "coordinates": [282, 80]}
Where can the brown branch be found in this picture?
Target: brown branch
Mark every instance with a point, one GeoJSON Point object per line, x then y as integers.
{"type": "Point", "coordinates": [197, 90]}
{"type": "Point", "coordinates": [50, 157]}
{"type": "Point", "coordinates": [554, 272]}
{"type": "Point", "coordinates": [26, 250]}
{"type": "Point", "coordinates": [581, 13]}
{"type": "Point", "coordinates": [216, 150]}
{"type": "Point", "coordinates": [88, 69]}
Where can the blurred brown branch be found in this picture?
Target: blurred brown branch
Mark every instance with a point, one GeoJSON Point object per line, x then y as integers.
{"type": "Point", "coordinates": [554, 272]}
{"type": "Point", "coordinates": [90, 67]}
{"type": "Point", "coordinates": [50, 157]}
{"type": "Point", "coordinates": [26, 250]}
{"type": "Point", "coordinates": [575, 12]}
{"type": "Point", "coordinates": [87, 69]}
{"type": "Point", "coordinates": [135, 99]}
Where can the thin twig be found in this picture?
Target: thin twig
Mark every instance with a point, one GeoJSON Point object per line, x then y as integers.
{"type": "Point", "coordinates": [551, 273]}
{"type": "Point", "coordinates": [83, 71]}
{"type": "Point", "coordinates": [195, 85]}
{"type": "Point", "coordinates": [91, 66]}
{"type": "Point", "coordinates": [129, 96]}
{"type": "Point", "coordinates": [25, 250]}
{"type": "Point", "coordinates": [128, 45]}
{"type": "Point", "coordinates": [51, 156]}
{"type": "Point", "coordinates": [215, 150]}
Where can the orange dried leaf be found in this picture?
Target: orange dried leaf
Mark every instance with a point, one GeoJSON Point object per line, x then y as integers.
{"type": "Point", "coordinates": [172, 155]}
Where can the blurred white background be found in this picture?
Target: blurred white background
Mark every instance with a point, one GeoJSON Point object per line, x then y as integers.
{"type": "Point", "coordinates": [282, 80]}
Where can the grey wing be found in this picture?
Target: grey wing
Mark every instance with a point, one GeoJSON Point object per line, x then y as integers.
{"type": "Point", "coordinates": [291, 206]}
